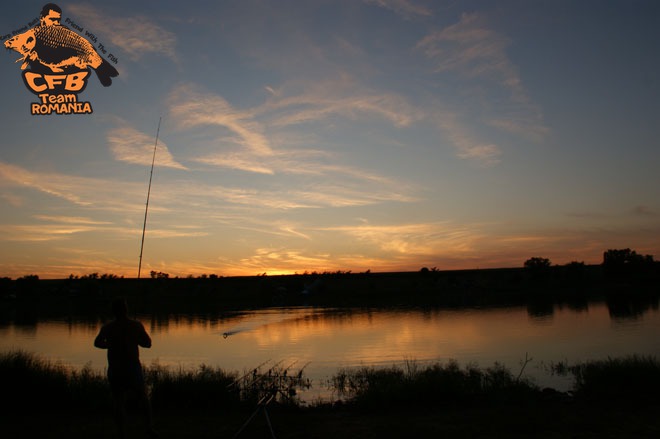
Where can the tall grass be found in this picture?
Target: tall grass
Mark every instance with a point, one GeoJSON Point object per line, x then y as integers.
{"type": "Point", "coordinates": [29, 382]}
{"type": "Point", "coordinates": [436, 384]}
{"type": "Point", "coordinates": [633, 378]}
{"type": "Point", "coordinates": [203, 388]}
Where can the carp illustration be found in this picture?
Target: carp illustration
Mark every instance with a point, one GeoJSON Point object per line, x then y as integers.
{"type": "Point", "coordinates": [58, 48]}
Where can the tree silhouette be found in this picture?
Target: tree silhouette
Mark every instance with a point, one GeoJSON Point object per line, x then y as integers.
{"type": "Point", "coordinates": [159, 275]}
{"type": "Point", "coordinates": [537, 267]}
{"type": "Point", "coordinates": [537, 263]}
{"type": "Point", "coordinates": [626, 262]}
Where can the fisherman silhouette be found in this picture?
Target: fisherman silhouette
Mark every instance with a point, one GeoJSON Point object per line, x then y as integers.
{"type": "Point", "coordinates": [121, 337]}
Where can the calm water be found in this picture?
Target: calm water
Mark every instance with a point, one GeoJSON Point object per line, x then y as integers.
{"type": "Point", "coordinates": [326, 340]}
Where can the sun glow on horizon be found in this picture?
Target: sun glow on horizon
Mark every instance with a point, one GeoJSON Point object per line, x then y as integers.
{"type": "Point", "coordinates": [414, 134]}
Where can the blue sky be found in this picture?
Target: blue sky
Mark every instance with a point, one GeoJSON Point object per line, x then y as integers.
{"type": "Point", "coordinates": [378, 135]}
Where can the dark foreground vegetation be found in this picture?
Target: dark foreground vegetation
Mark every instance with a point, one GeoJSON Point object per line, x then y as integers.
{"type": "Point", "coordinates": [610, 398]}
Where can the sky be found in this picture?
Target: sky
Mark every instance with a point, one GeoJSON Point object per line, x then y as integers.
{"type": "Point", "coordinates": [326, 135]}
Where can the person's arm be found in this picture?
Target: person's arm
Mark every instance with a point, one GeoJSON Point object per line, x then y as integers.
{"type": "Point", "coordinates": [101, 340]}
{"type": "Point", "coordinates": [143, 338]}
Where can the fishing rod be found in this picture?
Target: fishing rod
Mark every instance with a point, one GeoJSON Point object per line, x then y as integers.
{"type": "Point", "coordinates": [276, 383]}
{"type": "Point", "coordinates": [302, 369]}
{"type": "Point", "coordinates": [146, 209]}
{"type": "Point", "coordinates": [250, 372]}
{"type": "Point", "coordinates": [286, 369]}
{"type": "Point", "coordinates": [263, 376]}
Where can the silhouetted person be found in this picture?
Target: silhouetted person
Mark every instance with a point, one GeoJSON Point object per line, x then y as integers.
{"type": "Point", "coordinates": [121, 338]}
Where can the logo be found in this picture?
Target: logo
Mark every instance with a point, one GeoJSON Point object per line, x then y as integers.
{"type": "Point", "coordinates": [57, 63]}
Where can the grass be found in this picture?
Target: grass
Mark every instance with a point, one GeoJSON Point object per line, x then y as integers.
{"type": "Point", "coordinates": [633, 379]}
{"type": "Point", "coordinates": [203, 388]}
{"type": "Point", "coordinates": [30, 381]}
{"type": "Point", "coordinates": [46, 399]}
{"type": "Point", "coordinates": [437, 384]}
{"type": "Point", "coordinates": [23, 376]}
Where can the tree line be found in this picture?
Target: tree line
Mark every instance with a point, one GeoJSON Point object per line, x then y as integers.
{"type": "Point", "coordinates": [615, 262]}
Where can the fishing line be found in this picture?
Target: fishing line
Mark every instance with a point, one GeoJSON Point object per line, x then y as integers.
{"type": "Point", "coordinates": [146, 209]}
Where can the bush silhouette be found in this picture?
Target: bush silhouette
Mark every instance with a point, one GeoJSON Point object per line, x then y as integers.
{"type": "Point", "coordinates": [626, 262]}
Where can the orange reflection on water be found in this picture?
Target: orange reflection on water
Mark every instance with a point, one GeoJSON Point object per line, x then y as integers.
{"type": "Point", "coordinates": [388, 336]}
{"type": "Point", "coordinates": [331, 339]}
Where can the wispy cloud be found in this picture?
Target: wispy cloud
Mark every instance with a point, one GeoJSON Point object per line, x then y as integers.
{"type": "Point", "coordinates": [211, 205]}
{"type": "Point", "coordinates": [282, 260]}
{"type": "Point", "coordinates": [12, 199]}
{"type": "Point", "coordinates": [51, 228]}
{"type": "Point", "coordinates": [416, 239]}
{"type": "Point", "coordinates": [80, 191]}
{"type": "Point", "coordinates": [194, 108]}
{"type": "Point", "coordinates": [71, 220]}
{"type": "Point", "coordinates": [136, 36]}
{"type": "Point", "coordinates": [131, 146]}
{"type": "Point", "coordinates": [526, 123]}
{"type": "Point", "coordinates": [406, 8]}
{"type": "Point", "coordinates": [192, 196]}
{"type": "Point", "coordinates": [41, 232]}
{"type": "Point", "coordinates": [51, 184]}
{"type": "Point", "coordinates": [643, 210]}
{"type": "Point", "coordinates": [318, 101]}
{"type": "Point", "coordinates": [237, 160]}
{"type": "Point", "coordinates": [175, 233]}
{"type": "Point", "coordinates": [477, 53]}
{"type": "Point", "coordinates": [404, 247]}
{"type": "Point", "coordinates": [241, 144]}
{"type": "Point", "coordinates": [207, 196]}
{"type": "Point", "coordinates": [321, 107]}
{"type": "Point", "coordinates": [465, 143]}
{"type": "Point", "coordinates": [471, 48]}
{"type": "Point", "coordinates": [301, 102]}
{"type": "Point", "coordinates": [102, 197]}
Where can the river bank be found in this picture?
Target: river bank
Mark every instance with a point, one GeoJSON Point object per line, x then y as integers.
{"type": "Point", "coordinates": [88, 298]}
{"type": "Point", "coordinates": [611, 398]}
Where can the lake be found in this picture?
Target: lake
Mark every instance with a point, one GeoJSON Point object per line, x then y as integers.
{"type": "Point", "coordinates": [323, 340]}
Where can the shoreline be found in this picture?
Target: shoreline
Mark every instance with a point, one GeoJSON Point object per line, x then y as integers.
{"type": "Point", "coordinates": [570, 285]}
{"type": "Point", "coordinates": [615, 398]}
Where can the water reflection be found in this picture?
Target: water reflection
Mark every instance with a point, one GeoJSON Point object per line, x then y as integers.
{"type": "Point", "coordinates": [541, 310]}
{"type": "Point", "coordinates": [329, 339]}
{"type": "Point", "coordinates": [622, 308]}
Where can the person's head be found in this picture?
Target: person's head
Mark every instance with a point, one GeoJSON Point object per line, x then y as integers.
{"type": "Point", "coordinates": [51, 15]}
{"type": "Point", "coordinates": [119, 308]}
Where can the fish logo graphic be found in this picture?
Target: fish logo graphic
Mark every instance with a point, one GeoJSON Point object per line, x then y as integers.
{"type": "Point", "coordinates": [56, 63]}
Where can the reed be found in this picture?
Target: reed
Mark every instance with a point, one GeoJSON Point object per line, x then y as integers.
{"type": "Point", "coordinates": [436, 384]}
{"type": "Point", "coordinates": [632, 378]}
{"type": "Point", "coordinates": [203, 388]}
{"type": "Point", "coordinates": [31, 383]}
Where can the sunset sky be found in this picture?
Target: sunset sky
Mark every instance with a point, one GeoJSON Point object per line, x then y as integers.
{"type": "Point", "coordinates": [324, 135]}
